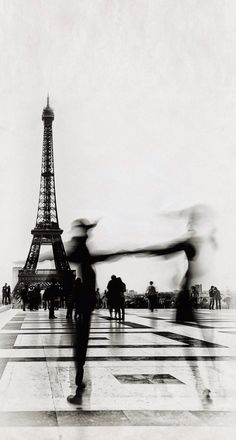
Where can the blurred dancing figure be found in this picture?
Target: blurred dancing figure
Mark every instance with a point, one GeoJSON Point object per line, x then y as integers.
{"type": "Point", "coordinates": [200, 235]}
{"type": "Point", "coordinates": [79, 253]}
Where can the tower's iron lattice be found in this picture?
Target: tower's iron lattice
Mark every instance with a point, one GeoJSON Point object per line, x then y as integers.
{"type": "Point", "coordinates": [47, 230]}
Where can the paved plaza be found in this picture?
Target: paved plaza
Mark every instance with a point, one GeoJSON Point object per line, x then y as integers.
{"type": "Point", "coordinates": [144, 377]}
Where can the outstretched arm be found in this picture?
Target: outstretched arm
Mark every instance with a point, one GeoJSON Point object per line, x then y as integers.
{"type": "Point", "coordinates": [168, 249]}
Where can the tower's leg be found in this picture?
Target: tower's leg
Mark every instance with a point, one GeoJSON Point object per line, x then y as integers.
{"type": "Point", "coordinates": [60, 258]}
{"type": "Point", "coordinates": [33, 256]}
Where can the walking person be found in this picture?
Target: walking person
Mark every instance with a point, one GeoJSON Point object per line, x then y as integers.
{"type": "Point", "coordinates": [195, 297]}
{"type": "Point", "coordinates": [212, 298]}
{"type": "Point", "coordinates": [4, 294]}
{"type": "Point", "coordinates": [98, 299]}
{"type": "Point", "coordinates": [31, 298]}
{"type": "Point", "coordinates": [80, 254]}
{"type": "Point", "coordinates": [45, 298]}
{"type": "Point", "coordinates": [151, 295]}
{"type": "Point", "coordinates": [67, 293]}
{"type": "Point", "coordinates": [104, 300]}
{"type": "Point", "coordinates": [218, 298]}
{"type": "Point", "coordinates": [112, 296]}
{"type": "Point", "coordinates": [52, 293]}
{"type": "Point", "coordinates": [8, 294]}
{"type": "Point", "coordinates": [24, 296]}
{"type": "Point", "coordinates": [120, 299]}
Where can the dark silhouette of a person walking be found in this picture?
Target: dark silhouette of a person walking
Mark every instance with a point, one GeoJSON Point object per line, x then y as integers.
{"type": "Point", "coordinates": [79, 253]}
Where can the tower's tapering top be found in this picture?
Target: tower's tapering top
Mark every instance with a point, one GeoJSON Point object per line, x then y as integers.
{"type": "Point", "coordinates": [48, 111]}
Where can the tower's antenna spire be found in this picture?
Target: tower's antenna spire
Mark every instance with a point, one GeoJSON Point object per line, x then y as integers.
{"type": "Point", "coordinates": [48, 100]}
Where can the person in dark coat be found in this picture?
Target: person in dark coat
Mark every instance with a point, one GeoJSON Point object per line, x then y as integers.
{"type": "Point", "coordinates": [80, 254]}
{"type": "Point", "coordinates": [52, 293]}
{"type": "Point", "coordinates": [24, 296]}
{"type": "Point", "coordinates": [120, 304]}
{"type": "Point", "coordinates": [151, 295]}
{"type": "Point", "coordinates": [112, 294]}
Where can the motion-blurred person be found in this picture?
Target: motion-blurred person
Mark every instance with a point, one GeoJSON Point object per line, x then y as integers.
{"type": "Point", "coordinates": [104, 300]}
{"type": "Point", "coordinates": [45, 298]}
{"type": "Point", "coordinates": [212, 298]}
{"type": "Point", "coordinates": [151, 295]}
{"type": "Point", "coordinates": [69, 301]}
{"type": "Point", "coordinates": [218, 298]}
{"type": "Point", "coordinates": [78, 298]}
{"type": "Point", "coordinates": [24, 296]}
{"type": "Point", "coordinates": [200, 236]}
{"type": "Point", "coordinates": [79, 253]}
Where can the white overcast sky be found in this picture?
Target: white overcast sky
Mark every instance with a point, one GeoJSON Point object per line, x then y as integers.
{"type": "Point", "coordinates": [144, 95]}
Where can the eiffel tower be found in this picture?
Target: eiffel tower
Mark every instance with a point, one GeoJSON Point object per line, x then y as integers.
{"type": "Point", "coordinates": [47, 230]}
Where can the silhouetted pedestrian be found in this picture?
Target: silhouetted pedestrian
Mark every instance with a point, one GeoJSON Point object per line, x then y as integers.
{"type": "Point", "coordinates": [212, 298]}
{"type": "Point", "coordinates": [24, 296]}
{"type": "Point", "coordinates": [218, 298]}
{"type": "Point", "coordinates": [52, 293]}
{"type": "Point", "coordinates": [151, 295]}
{"type": "Point", "coordinates": [80, 254]}
{"type": "Point", "coordinates": [120, 299]}
{"type": "Point", "coordinates": [112, 294]}
{"type": "Point", "coordinates": [4, 294]}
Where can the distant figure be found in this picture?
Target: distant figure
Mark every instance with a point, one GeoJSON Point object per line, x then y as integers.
{"type": "Point", "coordinates": [24, 296]}
{"type": "Point", "coordinates": [104, 300]}
{"type": "Point", "coordinates": [195, 297]}
{"type": "Point", "coordinates": [112, 302]}
{"type": "Point", "coordinates": [36, 297]}
{"type": "Point", "coordinates": [45, 298]}
{"type": "Point", "coordinates": [218, 298]}
{"type": "Point", "coordinates": [31, 298]}
{"type": "Point", "coordinates": [4, 294]}
{"type": "Point", "coordinates": [212, 298]}
{"type": "Point", "coordinates": [151, 295]}
{"type": "Point", "coordinates": [111, 294]}
{"type": "Point", "coordinates": [52, 294]}
{"type": "Point", "coordinates": [8, 294]}
{"type": "Point", "coordinates": [98, 299]}
{"type": "Point", "coordinates": [120, 300]}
